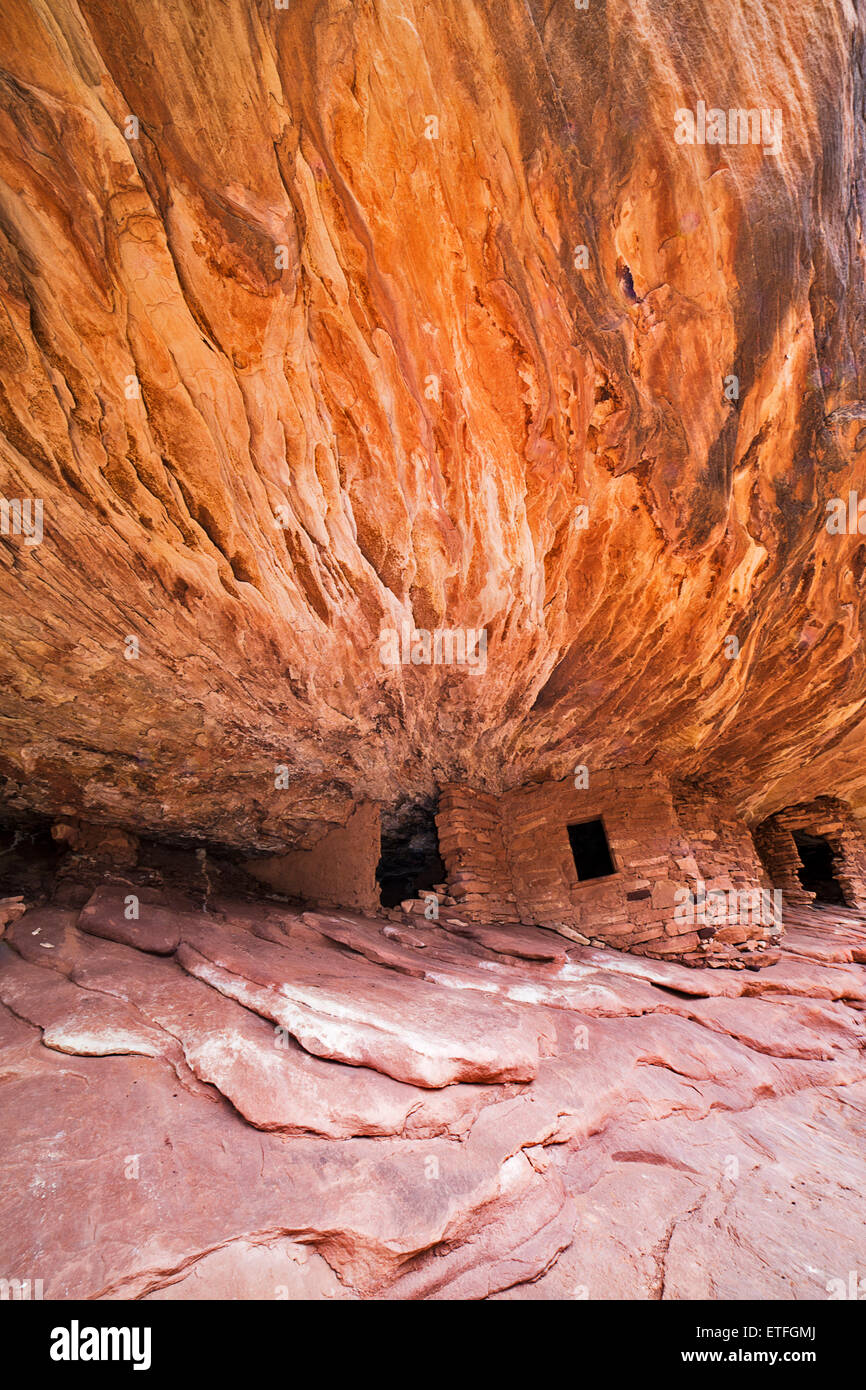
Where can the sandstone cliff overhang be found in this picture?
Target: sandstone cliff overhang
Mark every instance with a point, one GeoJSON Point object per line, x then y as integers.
{"type": "Point", "coordinates": [324, 320]}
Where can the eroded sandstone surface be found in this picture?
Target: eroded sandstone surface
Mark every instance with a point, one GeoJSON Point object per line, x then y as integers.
{"type": "Point", "coordinates": [328, 327]}
{"type": "Point", "coordinates": [299, 343]}
{"type": "Point", "coordinates": [625, 1128]}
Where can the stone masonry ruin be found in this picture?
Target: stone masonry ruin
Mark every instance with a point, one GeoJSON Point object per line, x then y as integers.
{"type": "Point", "coordinates": [516, 858]}
{"type": "Point", "coordinates": [826, 821]}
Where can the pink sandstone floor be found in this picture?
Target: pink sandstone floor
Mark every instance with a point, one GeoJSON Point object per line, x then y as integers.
{"type": "Point", "coordinates": [517, 1117]}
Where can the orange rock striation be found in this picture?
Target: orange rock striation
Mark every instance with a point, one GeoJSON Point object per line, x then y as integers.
{"type": "Point", "coordinates": [322, 321]}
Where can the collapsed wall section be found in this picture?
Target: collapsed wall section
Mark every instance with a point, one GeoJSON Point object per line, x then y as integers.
{"type": "Point", "coordinates": [729, 868]}
{"type": "Point", "coordinates": [778, 852]}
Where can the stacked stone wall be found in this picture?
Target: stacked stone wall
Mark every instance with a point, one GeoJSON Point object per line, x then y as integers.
{"type": "Point", "coordinates": [830, 818]}
{"type": "Point", "coordinates": [509, 859]}
{"type": "Point", "coordinates": [471, 845]}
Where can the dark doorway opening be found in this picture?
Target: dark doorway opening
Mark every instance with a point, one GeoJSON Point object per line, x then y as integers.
{"type": "Point", "coordinates": [590, 849]}
{"type": "Point", "coordinates": [817, 874]}
{"type": "Point", "coordinates": [29, 858]}
{"type": "Point", "coordinates": [410, 863]}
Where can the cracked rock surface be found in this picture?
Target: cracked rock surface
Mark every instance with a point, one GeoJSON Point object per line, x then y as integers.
{"type": "Point", "coordinates": [558, 1122]}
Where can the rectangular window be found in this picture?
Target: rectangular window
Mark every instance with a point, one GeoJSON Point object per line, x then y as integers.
{"type": "Point", "coordinates": [591, 851]}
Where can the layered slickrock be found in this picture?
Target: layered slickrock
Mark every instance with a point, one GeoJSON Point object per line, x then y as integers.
{"type": "Point", "coordinates": [683, 1133]}
{"type": "Point", "coordinates": [299, 343]}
